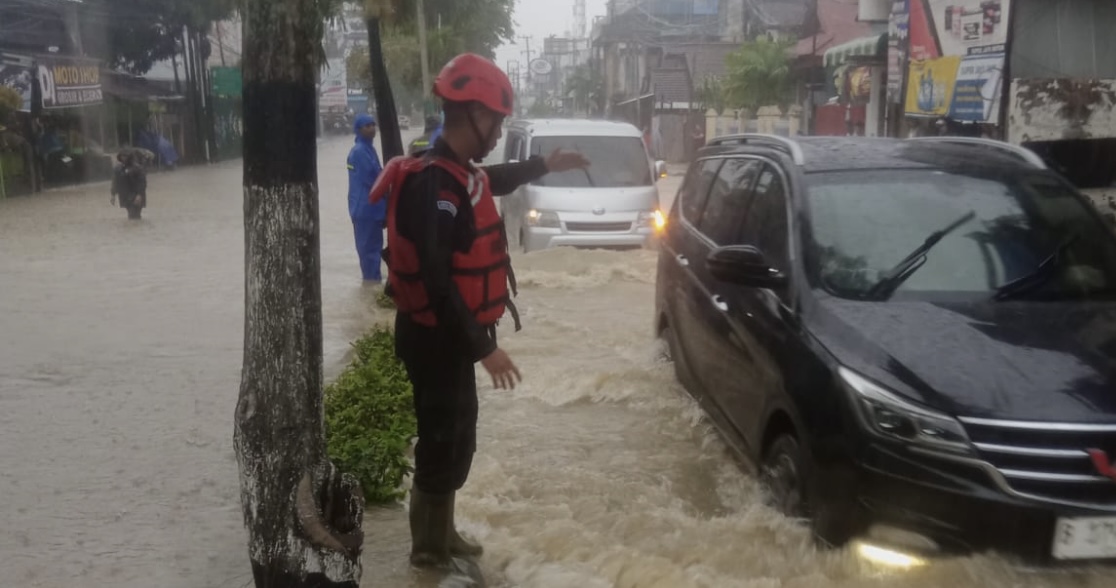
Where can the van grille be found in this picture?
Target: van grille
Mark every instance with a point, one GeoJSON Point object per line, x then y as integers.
{"type": "Point", "coordinates": [599, 227]}
{"type": "Point", "coordinates": [1048, 461]}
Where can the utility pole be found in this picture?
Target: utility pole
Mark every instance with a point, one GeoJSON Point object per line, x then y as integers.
{"type": "Point", "coordinates": [303, 516]}
{"type": "Point", "coordinates": [425, 55]}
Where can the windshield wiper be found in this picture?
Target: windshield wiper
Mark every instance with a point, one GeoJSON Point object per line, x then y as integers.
{"type": "Point", "coordinates": [895, 277]}
{"type": "Point", "coordinates": [1038, 276]}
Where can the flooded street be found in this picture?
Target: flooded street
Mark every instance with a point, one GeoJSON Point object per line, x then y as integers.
{"type": "Point", "coordinates": [119, 372]}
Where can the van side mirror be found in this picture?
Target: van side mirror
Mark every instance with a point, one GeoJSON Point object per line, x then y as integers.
{"type": "Point", "coordinates": [743, 265]}
{"type": "Point", "coordinates": [660, 170]}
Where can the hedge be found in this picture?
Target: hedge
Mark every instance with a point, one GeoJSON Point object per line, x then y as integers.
{"type": "Point", "coordinates": [370, 419]}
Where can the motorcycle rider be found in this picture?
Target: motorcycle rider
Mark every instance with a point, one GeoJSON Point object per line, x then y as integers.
{"type": "Point", "coordinates": [449, 273]}
{"type": "Point", "coordinates": [129, 183]}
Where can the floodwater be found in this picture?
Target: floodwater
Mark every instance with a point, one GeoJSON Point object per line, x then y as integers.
{"type": "Point", "coordinates": [119, 371]}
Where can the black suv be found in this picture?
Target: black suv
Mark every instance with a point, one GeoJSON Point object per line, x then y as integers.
{"type": "Point", "coordinates": [914, 340]}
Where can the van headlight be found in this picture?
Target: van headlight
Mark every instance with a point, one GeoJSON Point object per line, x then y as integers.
{"type": "Point", "coordinates": [654, 219]}
{"type": "Point", "coordinates": [891, 417]}
{"type": "Point", "coordinates": [547, 219]}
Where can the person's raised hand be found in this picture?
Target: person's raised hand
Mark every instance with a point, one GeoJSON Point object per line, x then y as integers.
{"type": "Point", "coordinates": [560, 161]}
{"type": "Point", "coordinates": [504, 373]}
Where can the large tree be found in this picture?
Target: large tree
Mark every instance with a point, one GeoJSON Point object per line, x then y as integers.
{"type": "Point", "coordinates": [303, 516]}
{"type": "Point", "coordinates": [133, 35]}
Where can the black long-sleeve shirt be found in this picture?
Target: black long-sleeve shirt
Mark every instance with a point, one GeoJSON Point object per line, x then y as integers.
{"type": "Point", "coordinates": [435, 213]}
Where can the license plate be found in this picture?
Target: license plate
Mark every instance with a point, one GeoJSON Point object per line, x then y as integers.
{"type": "Point", "coordinates": [1085, 538]}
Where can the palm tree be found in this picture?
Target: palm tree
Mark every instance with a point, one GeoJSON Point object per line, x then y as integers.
{"type": "Point", "coordinates": [758, 74]}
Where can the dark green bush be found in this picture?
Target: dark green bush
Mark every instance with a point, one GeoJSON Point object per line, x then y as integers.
{"type": "Point", "coordinates": [384, 301]}
{"type": "Point", "coordinates": [370, 418]}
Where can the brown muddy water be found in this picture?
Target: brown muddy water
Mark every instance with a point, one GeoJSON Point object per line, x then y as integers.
{"type": "Point", "coordinates": [119, 371]}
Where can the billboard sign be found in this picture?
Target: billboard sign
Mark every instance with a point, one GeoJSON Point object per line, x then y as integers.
{"type": "Point", "coordinates": [940, 28]}
{"type": "Point", "coordinates": [69, 82]}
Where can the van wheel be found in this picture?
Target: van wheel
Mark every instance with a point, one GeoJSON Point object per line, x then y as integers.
{"type": "Point", "coordinates": [666, 345]}
{"type": "Point", "coordinates": [784, 476]}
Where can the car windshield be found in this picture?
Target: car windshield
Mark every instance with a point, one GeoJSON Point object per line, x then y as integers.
{"type": "Point", "coordinates": [1000, 232]}
{"type": "Point", "coordinates": [617, 162]}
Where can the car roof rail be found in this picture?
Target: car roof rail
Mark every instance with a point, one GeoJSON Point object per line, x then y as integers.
{"type": "Point", "coordinates": [791, 147]}
{"type": "Point", "coordinates": [1019, 151]}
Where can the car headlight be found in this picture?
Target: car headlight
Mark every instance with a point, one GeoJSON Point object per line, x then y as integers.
{"type": "Point", "coordinates": [891, 417]}
{"type": "Point", "coordinates": [543, 218]}
{"type": "Point", "coordinates": [653, 218]}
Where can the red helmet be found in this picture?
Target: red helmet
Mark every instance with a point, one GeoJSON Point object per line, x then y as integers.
{"type": "Point", "coordinates": [472, 78]}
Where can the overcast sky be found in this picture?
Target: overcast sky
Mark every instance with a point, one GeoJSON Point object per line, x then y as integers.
{"type": "Point", "coordinates": [543, 18]}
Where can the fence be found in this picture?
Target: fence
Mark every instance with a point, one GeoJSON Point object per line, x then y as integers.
{"type": "Point", "coordinates": [769, 120]}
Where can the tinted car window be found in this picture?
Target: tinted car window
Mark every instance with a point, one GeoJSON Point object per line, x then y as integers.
{"type": "Point", "coordinates": [1017, 223]}
{"type": "Point", "coordinates": [618, 162]}
{"type": "Point", "coordinates": [696, 189]}
{"type": "Point", "coordinates": [728, 201]}
{"type": "Point", "coordinates": [765, 226]}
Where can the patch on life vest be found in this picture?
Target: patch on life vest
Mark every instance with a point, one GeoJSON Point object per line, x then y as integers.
{"type": "Point", "coordinates": [448, 207]}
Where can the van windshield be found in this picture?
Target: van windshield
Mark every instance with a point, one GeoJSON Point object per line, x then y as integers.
{"type": "Point", "coordinates": [617, 162]}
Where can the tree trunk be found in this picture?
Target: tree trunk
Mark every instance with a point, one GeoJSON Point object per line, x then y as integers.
{"type": "Point", "coordinates": [386, 115]}
{"type": "Point", "coordinates": [302, 515]}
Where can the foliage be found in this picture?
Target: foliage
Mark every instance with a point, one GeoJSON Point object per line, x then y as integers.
{"type": "Point", "coordinates": [541, 109]}
{"type": "Point", "coordinates": [10, 101]}
{"type": "Point", "coordinates": [758, 74]}
{"type": "Point", "coordinates": [136, 35]}
{"type": "Point", "coordinates": [384, 301]}
{"type": "Point", "coordinates": [711, 94]}
{"type": "Point", "coordinates": [586, 86]}
{"type": "Point", "coordinates": [477, 26]}
{"type": "Point", "coordinates": [369, 417]}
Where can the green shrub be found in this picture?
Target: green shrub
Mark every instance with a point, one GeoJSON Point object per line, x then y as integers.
{"type": "Point", "coordinates": [384, 301]}
{"type": "Point", "coordinates": [370, 418]}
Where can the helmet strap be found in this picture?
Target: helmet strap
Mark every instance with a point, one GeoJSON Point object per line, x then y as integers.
{"type": "Point", "coordinates": [484, 139]}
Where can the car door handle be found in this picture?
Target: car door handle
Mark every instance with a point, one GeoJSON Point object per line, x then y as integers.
{"type": "Point", "coordinates": [682, 261]}
{"type": "Point", "coordinates": [719, 303]}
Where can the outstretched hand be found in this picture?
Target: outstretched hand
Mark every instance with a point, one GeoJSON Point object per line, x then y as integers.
{"type": "Point", "coordinates": [560, 161]}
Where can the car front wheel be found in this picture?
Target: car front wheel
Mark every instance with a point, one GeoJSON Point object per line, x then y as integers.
{"type": "Point", "coordinates": [784, 475]}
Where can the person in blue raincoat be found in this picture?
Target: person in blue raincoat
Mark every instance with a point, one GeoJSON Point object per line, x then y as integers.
{"type": "Point", "coordinates": [368, 218]}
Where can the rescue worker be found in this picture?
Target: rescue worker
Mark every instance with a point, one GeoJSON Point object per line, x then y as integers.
{"type": "Point", "coordinates": [430, 133]}
{"type": "Point", "coordinates": [367, 217]}
{"type": "Point", "coordinates": [449, 274]}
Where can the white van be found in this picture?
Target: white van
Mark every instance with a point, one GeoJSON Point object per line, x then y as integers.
{"type": "Point", "coordinates": [613, 204]}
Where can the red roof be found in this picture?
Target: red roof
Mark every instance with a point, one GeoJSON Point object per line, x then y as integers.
{"type": "Point", "coordinates": [838, 25]}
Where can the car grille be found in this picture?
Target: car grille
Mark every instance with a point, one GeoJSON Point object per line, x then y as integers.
{"type": "Point", "coordinates": [599, 227]}
{"type": "Point", "coordinates": [1048, 461]}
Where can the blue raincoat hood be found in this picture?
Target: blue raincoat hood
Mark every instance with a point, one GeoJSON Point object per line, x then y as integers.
{"type": "Point", "coordinates": [362, 120]}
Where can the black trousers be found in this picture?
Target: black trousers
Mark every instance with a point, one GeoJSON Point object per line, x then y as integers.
{"type": "Point", "coordinates": [444, 380]}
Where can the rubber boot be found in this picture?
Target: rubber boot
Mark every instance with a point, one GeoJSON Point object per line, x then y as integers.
{"type": "Point", "coordinates": [430, 515]}
{"type": "Point", "coordinates": [459, 545]}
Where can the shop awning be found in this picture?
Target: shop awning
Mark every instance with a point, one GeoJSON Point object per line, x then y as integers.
{"type": "Point", "coordinates": [873, 46]}
{"type": "Point", "coordinates": [137, 89]}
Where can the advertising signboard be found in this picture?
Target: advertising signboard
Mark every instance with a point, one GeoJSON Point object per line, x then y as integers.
{"type": "Point", "coordinates": [930, 87]}
{"type": "Point", "coordinates": [333, 91]}
{"type": "Point", "coordinates": [67, 82]}
{"type": "Point", "coordinates": [977, 93]}
{"type": "Point", "coordinates": [967, 35]}
{"type": "Point", "coordinates": [898, 46]}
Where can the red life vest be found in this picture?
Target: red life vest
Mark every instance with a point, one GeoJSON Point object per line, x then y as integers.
{"type": "Point", "coordinates": [482, 275]}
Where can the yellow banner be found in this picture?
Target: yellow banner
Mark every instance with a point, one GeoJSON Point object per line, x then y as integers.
{"type": "Point", "coordinates": [930, 86]}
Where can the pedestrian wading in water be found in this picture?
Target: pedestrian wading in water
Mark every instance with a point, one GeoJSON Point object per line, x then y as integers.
{"type": "Point", "coordinates": [129, 183]}
{"type": "Point", "coordinates": [450, 276]}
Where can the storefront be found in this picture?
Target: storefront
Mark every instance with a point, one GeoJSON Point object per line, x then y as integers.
{"type": "Point", "coordinates": [857, 71]}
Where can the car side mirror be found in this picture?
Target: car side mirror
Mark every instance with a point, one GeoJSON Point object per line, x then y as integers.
{"type": "Point", "coordinates": [660, 170]}
{"type": "Point", "coordinates": [743, 265]}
